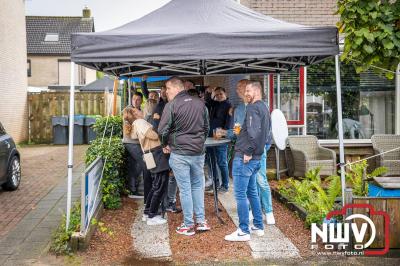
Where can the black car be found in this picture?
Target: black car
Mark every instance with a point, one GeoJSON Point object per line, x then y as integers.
{"type": "Point", "coordinates": [10, 167]}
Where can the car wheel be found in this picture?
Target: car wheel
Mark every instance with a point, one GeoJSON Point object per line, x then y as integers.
{"type": "Point", "coordinates": [13, 174]}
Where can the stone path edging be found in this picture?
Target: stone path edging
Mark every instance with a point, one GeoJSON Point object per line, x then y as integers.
{"type": "Point", "coordinates": [150, 241]}
{"type": "Point", "coordinates": [273, 245]}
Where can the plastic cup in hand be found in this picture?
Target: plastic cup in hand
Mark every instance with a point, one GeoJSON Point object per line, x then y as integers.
{"type": "Point", "coordinates": [237, 128]}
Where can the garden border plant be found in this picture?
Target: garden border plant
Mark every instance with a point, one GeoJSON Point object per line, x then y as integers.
{"type": "Point", "coordinates": [313, 198]}
{"type": "Point", "coordinates": [107, 145]}
{"type": "Point", "coordinates": [60, 239]}
{"type": "Point", "coordinates": [112, 151]}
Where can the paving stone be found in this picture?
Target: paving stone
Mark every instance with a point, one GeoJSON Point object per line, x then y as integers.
{"type": "Point", "coordinates": [52, 219]}
{"type": "Point", "coordinates": [48, 224]}
{"type": "Point", "coordinates": [39, 177]}
{"type": "Point", "coordinates": [273, 245]}
{"type": "Point", "coordinates": [40, 235]}
{"type": "Point", "coordinates": [28, 223]}
{"type": "Point", "coordinates": [19, 234]}
{"type": "Point", "coordinates": [267, 245]}
{"type": "Point", "coordinates": [19, 262]}
{"type": "Point", "coordinates": [6, 250]}
{"type": "Point", "coordinates": [37, 214]}
{"type": "Point", "coordinates": [54, 196]}
{"type": "Point", "coordinates": [11, 241]}
{"type": "Point", "coordinates": [3, 259]}
{"type": "Point", "coordinates": [46, 206]}
{"type": "Point", "coordinates": [29, 251]}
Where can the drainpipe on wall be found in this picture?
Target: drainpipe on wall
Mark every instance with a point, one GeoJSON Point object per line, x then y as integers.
{"type": "Point", "coordinates": [397, 116]}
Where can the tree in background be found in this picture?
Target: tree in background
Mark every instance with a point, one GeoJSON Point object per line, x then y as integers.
{"type": "Point", "coordinates": [372, 33]}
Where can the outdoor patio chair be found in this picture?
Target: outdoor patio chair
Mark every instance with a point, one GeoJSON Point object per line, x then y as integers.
{"type": "Point", "coordinates": [308, 154]}
{"type": "Point", "coordinates": [391, 160]}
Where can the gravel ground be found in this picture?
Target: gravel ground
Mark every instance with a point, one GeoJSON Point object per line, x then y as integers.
{"type": "Point", "coordinates": [113, 249]}
{"type": "Point", "coordinates": [292, 226]}
{"type": "Point", "coordinates": [207, 247]}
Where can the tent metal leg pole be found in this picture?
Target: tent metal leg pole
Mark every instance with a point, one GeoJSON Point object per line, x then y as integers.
{"type": "Point", "coordinates": [278, 167]}
{"type": "Point", "coordinates": [278, 89]}
{"type": "Point", "coordinates": [340, 127]}
{"type": "Point", "coordinates": [398, 100]}
{"type": "Point", "coordinates": [70, 142]}
{"type": "Point", "coordinates": [305, 102]}
{"type": "Point", "coordinates": [129, 92]}
{"type": "Point", "coordinates": [115, 95]}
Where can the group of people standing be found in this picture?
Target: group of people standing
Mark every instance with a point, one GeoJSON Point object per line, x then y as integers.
{"type": "Point", "coordinates": [173, 130]}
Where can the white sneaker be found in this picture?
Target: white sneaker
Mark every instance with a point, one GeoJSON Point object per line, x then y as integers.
{"type": "Point", "coordinates": [238, 235]}
{"type": "Point", "coordinates": [144, 217]}
{"type": "Point", "coordinates": [270, 219]}
{"type": "Point", "coordinates": [156, 220]}
{"type": "Point", "coordinates": [256, 231]}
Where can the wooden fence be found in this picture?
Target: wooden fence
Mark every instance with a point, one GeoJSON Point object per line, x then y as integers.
{"type": "Point", "coordinates": [42, 106]}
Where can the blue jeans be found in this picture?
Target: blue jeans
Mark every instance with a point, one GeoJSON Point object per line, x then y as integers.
{"type": "Point", "coordinates": [262, 183]}
{"type": "Point", "coordinates": [221, 154]}
{"type": "Point", "coordinates": [219, 157]}
{"type": "Point", "coordinates": [189, 175]}
{"type": "Point", "coordinates": [245, 187]}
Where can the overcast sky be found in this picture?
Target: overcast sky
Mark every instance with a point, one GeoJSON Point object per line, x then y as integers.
{"type": "Point", "coordinates": [107, 14]}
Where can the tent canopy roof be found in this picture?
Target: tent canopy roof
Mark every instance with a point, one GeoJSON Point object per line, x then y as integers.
{"type": "Point", "coordinates": [203, 37]}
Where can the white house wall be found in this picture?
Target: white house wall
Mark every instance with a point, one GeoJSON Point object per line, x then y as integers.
{"type": "Point", "coordinates": [13, 69]}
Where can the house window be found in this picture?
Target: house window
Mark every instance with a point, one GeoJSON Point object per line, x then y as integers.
{"type": "Point", "coordinates": [368, 102]}
{"type": "Point", "coordinates": [29, 68]}
{"type": "Point", "coordinates": [51, 37]}
{"type": "Point", "coordinates": [2, 131]}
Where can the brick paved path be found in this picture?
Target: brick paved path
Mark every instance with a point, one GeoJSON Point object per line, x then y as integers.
{"type": "Point", "coordinates": [43, 167]}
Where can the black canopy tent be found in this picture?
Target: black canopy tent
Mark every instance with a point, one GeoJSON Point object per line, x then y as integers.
{"type": "Point", "coordinates": [203, 37]}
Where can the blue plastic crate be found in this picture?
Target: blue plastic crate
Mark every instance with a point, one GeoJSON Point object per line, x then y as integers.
{"type": "Point", "coordinates": [377, 191]}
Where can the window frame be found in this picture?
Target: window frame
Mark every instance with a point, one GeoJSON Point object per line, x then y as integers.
{"type": "Point", "coordinates": [52, 34]}
{"type": "Point", "coordinates": [29, 67]}
{"type": "Point", "coordinates": [2, 131]}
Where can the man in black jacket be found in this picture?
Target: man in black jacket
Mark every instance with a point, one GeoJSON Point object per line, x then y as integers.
{"type": "Point", "coordinates": [255, 133]}
{"type": "Point", "coordinates": [220, 111]}
{"type": "Point", "coordinates": [170, 199]}
{"type": "Point", "coordinates": [183, 131]}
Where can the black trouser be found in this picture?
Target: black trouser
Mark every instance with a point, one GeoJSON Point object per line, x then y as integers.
{"type": "Point", "coordinates": [157, 192]}
{"type": "Point", "coordinates": [147, 182]}
{"type": "Point", "coordinates": [135, 165]}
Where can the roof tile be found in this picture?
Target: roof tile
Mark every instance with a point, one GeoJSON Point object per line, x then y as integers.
{"type": "Point", "coordinates": [38, 26]}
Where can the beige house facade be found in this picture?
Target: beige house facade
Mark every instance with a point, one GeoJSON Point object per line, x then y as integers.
{"type": "Point", "coordinates": [13, 74]}
{"type": "Point", "coordinates": [49, 49]}
{"type": "Point", "coordinates": [50, 70]}
{"type": "Point", "coordinates": [305, 12]}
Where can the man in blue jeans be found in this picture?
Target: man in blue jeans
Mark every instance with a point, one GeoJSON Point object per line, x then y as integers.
{"type": "Point", "coordinates": [253, 136]}
{"type": "Point", "coordinates": [183, 130]}
{"type": "Point", "coordinates": [263, 187]}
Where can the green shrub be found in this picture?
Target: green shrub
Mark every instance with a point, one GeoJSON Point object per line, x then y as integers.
{"type": "Point", "coordinates": [114, 123]}
{"type": "Point", "coordinates": [354, 176]}
{"type": "Point", "coordinates": [60, 238]}
{"type": "Point", "coordinates": [113, 181]}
